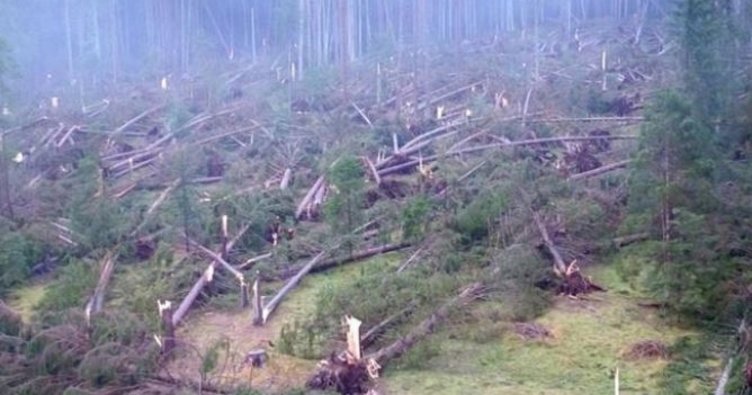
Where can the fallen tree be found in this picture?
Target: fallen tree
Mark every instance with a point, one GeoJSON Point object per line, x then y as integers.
{"type": "Point", "coordinates": [358, 256]}
{"type": "Point", "coordinates": [347, 374]}
{"type": "Point", "coordinates": [205, 278]}
{"type": "Point", "coordinates": [572, 281]}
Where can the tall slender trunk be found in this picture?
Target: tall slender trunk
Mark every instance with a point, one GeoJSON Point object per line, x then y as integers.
{"type": "Point", "coordinates": [301, 36]}
{"type": "Point", "coordinates": [5, 181]}
{"type": "Point", "coordinates": [68, 39]}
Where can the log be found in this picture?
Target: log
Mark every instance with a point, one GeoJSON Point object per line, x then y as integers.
{"type": "Point", "coordinates": [253, 260]}
{"type": "Point", "coordinates": [274, 302]}
{"type": "Point", "coordinates": [559, 266]}
{"type": "Point", "coordinates": [162, 197]}
{"type": "Point", "coordinates": [599, 171]}
{"type": "Point", "coordinates": [307, 199]}
{"type": "Point", "coordinates": [362, 115]}
{"type": "Point", "coordinates": [137, 118]}
{"type": "Point", "coordinates": [410, 260]}
{"type": "Point", "coordinates": [202, 281]}
{"type": "Point", "coordinates": [218, 258]}
{"type": "Point", "coordinates": [370, 337]}
{"type": "Point", "coordinates": [95, 303]}
{"type": "Point", "coordinates": [425, 328]}
{"type": "Point", "coordinates": [358, 256]}
{"type": "Point", "coordinates": [258, 307]}
{"type": "Point", "coordinates": [406, 165]}
{"type": "Point", "coordinates": [286, 177]}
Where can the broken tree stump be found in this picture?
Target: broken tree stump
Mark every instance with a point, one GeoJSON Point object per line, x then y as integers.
{"type": "Point", "coordinates": [256, 358]}
{"type": "Point", "coordinates": [258, 307]}
{"type": "Point", "coordinates": [243, 294]}
{"type": "Point", "coordinates": [167, 339]}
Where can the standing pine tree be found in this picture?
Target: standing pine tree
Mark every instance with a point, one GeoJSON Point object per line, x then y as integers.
{"type": "Point", "coordinates": [343, 208]}
{"type": "Point", "coordinates": [704, 29]}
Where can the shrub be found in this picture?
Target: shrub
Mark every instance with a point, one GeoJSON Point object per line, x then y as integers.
{"type": "Point", "coordinates": [18, 254]}
{"type": "Point", "coordinates": [76, 280]}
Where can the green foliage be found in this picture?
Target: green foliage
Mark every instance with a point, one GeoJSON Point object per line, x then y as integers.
{"type": "Point", "coordinates": [69, 357]}
{"type": "Point", "coordinates": [18, 253]}
{"type": "Point", "coordinates": [475, 220]}
{"type": "Point", "coordinates": [98, 221]}
{"type": "Point", "coordinates": [414, 218]}
{"type": "Point", "coordinates": [419, 356]}
{"type": "Point", "coordinates": [301, 340]}
{"type": "Point", "coordinates": [687, 372]}
{"type": "Point", "coordinates": [73, 285]}
{"type": "Point", "coordinates": [376, 293]}
{"type": "Point", "coordinates": [704, 31]}
{"type": "Point", "coordinates": [343, 208]}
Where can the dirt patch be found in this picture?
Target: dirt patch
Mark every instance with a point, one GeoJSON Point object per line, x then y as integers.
{"type": "Point", "coordinates": [280, 372]}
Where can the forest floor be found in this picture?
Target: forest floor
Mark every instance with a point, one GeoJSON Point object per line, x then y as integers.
{"type": "Point", "coordinates": [589, 338]}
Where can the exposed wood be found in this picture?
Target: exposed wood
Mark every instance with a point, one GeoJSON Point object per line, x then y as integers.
{"type": "Point", "coordinates": [253, 260]}
{"type": "Point", "coordinates": [374, 172]}
{"type": "Point", "coordinates": [96, 302]}
{"type": "Point", "coordinates": [162, 197]}
{"type": "Point", "coordinates": [286, 178]}
{"type": "Point", "coordinates": [167, 338]}
{"type": "Point", "coordinates": [202, 281]}
{"type": "Point", "coordinates": [308, 197]}
{"type": "Point", "coordinates": [559, 266]}
{"type": "Point", "coordinates": [362, 115]}
{"type": "Point", "coordinates": [355, 257]}
{"type": "Point", "coordinates": [136, 119]}
{"type": "Point", "coordinates": [258, 307]}
{"type": "Point", "coordinates": [353, 337]}
{"type": "Point", "coordinates": [289, 286]}
{"type": "Point", "coordinates": [410, 260]}
{"type": "Point", "coordinates": [218, 258]}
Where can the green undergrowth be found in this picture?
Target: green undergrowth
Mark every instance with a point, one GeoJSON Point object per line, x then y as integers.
{"type": "Point", "coordinates": [25, 299]}
{"type": "Point", "coordinates": [590, 340]}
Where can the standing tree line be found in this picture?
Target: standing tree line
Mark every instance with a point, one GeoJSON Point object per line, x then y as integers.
{"type": "Point", "coordinates": [111, 39]}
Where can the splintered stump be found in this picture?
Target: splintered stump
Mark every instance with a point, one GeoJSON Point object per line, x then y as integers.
{"type": "Point", "coordinates": [348, 375]}
{"type": "Point", "coordinates": [167, 343]}
{"type": "Point", "coordinates": [573, 283]}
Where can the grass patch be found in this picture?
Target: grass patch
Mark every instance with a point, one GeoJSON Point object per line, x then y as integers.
{"type": "Point", "coordinates": [590, 339]}
{"type": "Point", "coordinates": [25, 299]}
